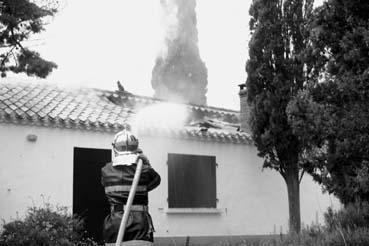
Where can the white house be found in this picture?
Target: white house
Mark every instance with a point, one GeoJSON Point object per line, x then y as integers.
{"type": "Point", "coordinates": [55, 140]}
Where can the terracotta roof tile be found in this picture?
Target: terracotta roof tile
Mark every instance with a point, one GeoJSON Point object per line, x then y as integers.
{"type": "Point", "coordinates": [100, 110]}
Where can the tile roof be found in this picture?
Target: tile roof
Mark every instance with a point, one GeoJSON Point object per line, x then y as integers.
{"type": "Point", "coordinates": [101, 110]}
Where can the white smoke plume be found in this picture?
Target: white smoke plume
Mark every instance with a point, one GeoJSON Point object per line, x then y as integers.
{"type": "Point", "coordinates": [179, 73]}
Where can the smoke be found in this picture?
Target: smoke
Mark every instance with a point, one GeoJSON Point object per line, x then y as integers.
{"type": "Point", "coordinates": [163, 115]}
{"type": "Point", "coordinates": [179, 73]}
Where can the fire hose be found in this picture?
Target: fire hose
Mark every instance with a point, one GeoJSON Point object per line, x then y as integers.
{"type": "Point", "coordinates": [127, 210]}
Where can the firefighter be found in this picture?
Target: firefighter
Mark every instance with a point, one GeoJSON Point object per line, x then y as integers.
{"type": "Point", "coordinates": [117, 177]}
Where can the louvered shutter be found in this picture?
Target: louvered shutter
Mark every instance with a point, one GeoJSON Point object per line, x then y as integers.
{"type": "Point", "coordinates": [191, 181]}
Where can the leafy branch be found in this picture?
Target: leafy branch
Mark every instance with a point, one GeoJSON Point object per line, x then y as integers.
{"type": "Point", "coordinates": [19, 20]}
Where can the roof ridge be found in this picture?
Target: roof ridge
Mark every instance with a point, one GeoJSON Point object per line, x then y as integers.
{"type": "Point", "coordinates": [163, 100]}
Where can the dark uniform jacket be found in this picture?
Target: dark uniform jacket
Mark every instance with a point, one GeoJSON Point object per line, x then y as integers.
{"type": "Point", "coordinates": [117, 182]}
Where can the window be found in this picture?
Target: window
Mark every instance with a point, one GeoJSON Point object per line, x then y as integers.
{"type": "Point", "coordinates": [191, 181]}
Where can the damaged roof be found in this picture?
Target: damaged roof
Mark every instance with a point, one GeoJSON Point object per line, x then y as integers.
{"type": "Point", "coordinates": [102, 110]}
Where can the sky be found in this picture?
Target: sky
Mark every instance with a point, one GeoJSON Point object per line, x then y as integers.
{"type": "Point", "coordinates": [95, 43]}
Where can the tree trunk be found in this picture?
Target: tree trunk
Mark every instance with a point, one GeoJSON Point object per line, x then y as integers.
{"type": "Point", "coordinates": [293, 189]}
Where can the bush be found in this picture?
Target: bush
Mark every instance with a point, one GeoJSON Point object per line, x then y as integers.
{"type": "Point", "coordinates": [354, 215]}
{"type": "Point", "coordinates": [347, 227]}
{"type": "Point", "coordinates": [357, 237]}
{"type": "Point", "coordinates": [45, 226]}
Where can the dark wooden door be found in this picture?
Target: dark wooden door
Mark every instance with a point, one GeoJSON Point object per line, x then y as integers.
{"type": "Point", "coordinates": [89, 199]}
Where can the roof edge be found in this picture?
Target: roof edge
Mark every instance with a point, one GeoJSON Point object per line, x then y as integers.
{"type": "Point", "coordinates": [235, 138]}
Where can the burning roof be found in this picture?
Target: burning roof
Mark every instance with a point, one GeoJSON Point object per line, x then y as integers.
{"type": "Point", "coordinates": [101, 110]}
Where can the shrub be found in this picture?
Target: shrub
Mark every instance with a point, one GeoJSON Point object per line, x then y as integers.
{"type": "Point", "coordinates": [354, 215]}
{"type": "Point", "coordinates": [346, 227]}
{"type": "Point", "coordinates": [45, 226]}
{"type": "Point", "coordinates": [354, 237]}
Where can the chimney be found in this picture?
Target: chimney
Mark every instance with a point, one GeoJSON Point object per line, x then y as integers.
{"type": "Point", "coordinates": [244, 109]}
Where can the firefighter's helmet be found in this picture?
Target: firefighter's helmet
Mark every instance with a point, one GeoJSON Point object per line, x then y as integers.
{"type": "Point", "coordinates": [124, 141]}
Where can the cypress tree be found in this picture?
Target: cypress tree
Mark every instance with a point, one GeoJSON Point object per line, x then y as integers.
{"type": "Point", "coordinates": [275, 72]}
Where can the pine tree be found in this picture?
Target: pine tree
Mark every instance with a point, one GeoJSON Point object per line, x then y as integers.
{"type": "Point", "coordinates": [19, 19]}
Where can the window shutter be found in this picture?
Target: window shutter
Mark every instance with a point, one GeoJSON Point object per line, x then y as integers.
{"type": "Point", "coordinates": [191, 181]}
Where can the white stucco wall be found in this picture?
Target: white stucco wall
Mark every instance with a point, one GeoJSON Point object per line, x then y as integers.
{"type": "Point", "coordinates": [251, 201]}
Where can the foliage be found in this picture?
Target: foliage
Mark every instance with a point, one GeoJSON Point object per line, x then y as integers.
{"type": "Point", "coordinates": [19, 19]}
{"type": "Point", "coordinates": [357, 237]}
{"type": "Point", "coordinates": [346, 227]}
{"type": "Point", "coordinates": [354, 215]}
{"type": "Point", "coordinates": [275, 74]}
{"type": "Point", "coordinates": [331, 115]}
{"type": "Point", "coordinates": [45, 226]}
